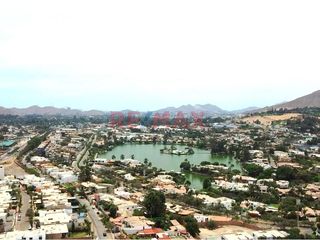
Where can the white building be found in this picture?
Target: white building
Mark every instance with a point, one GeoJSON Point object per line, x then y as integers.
{"type": "Point", "coordinates": [1, 172]}
{"type": "Point", "coordinates": [100, 160]}
{"type": "Point", "coordinates": [122, 193]}
{"type": "Point", "coordinates": [201, 218]}
{"type": "Point", "coordinates": [63, 175]}
{"type": "Point", "coordinates": [38, 159]}
{"type": "Point", "coordinates": [129, 177]}
{"type": "Point", "coordinates": [132, 225]}
{"type": "Point", "coordinates": [232, 186]}
{"type": "Point", "coordinates": [255, 235]}
{"type": "Point", "coordinates": [24, 235]}
{"type": "Point", "coordinates": [223, 201]}
{"type": "Point", "coordinates": [131, 162]}
{"type": "Point", "coordinates": [282, 184]}
{"type": "Point", "coordinates": [5, 200]}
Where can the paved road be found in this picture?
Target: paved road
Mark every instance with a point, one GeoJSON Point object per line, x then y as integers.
{"type": "Point", "coordinates": [20, 223]}
{"type": "Point", "coordinates": [23, 224]}
{"type": "Point", "coordinates": [98, 227]}
{"type": "Point", "coordinates": [91, 142]}
{"type": "Point", "coordinates": [83, 155]}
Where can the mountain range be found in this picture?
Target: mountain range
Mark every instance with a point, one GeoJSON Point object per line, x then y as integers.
{"type": "Point", "coordinates": [36, 110]}
{"type": "Point", "coordinates": [310, 100]}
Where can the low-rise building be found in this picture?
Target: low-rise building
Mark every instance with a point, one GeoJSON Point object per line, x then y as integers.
{"type": "Point", "coordinates": [222, 201]}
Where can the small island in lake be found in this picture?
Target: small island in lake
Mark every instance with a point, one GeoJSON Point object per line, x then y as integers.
{"type": "Point", "coordinates": [173, 150]}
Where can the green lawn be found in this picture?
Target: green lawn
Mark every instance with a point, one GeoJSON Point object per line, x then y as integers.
{"type": "Point", "coordinates": [78, 234]}
{"type": "Point", "coordinates": [274, 205]}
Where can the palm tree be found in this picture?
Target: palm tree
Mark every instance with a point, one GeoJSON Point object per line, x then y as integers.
{"type": "Point", "coordinates": [132, 156]}
{"type": "Point", "coordinates": [187, 185]}
{"type": "Point", "coordinates": [113, 157]}
{"type": "Point", "coordinates": [122, 157]}
{"type": "Point", "coordinates": [146, 161]}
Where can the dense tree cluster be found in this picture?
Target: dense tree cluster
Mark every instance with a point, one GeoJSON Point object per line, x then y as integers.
{"type": "Point", "coordinates": [185, 165]}
{"type": "Point", "coordinates": [253, 170]}
{"type": "Point", "coordinates": [191, 225]}
{"type": "Point", "coordinates": [154, 202]}
{"type": "Point", "coordinates": [217, 146]}
{"type": "Point", "coordinates": [305, 124]}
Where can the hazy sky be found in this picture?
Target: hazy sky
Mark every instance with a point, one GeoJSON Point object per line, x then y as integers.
{"type": "Point", "coordinates": [145, 55]}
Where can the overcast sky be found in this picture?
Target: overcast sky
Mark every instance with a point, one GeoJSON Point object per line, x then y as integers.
{"type": "Point", "coordinates": [145, 55]}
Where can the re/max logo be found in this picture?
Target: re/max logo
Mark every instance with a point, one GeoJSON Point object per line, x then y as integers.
{"type": "Point", "coordinates": [178, 119]}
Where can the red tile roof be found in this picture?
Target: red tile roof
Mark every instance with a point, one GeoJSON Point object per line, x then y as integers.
{"type": "Point", "coordinates": [151, 231]}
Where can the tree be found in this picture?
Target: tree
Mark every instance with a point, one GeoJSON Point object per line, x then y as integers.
{"type": "Point", "coordinates": [31, 189]}
{"type": "Point", "coordinates": [211, 225]}
{"type": "Point", "coordinates": [288, 207]}
{"type": "Point", "coordinates": [206, 183]}
{"type": "Point", "coordinates": [191, 225]}
{"type": "Point", "coordinates": [288, 204]}
{"type": "Point", "coordinates": [253, 170]}
{"type": "Point", "coordinates": [286, 173]}
{"type": "Point", "coordinates": [1, 226]}
{"type": "Point", "coordinates": [162, 222]}
{"type": "Point", "coordinates": [88, 226]}
{"type": "Point", "coordinates": [154, 202]}
{"type": "Point", "coordinates": [70, 189]}
{"type": "Point", "coordinates": [185, 165]}
{"type": "Point", "coordinates": [122, 157]}
{"type": "Point", "coordinates": [257, 121]}
{"type": "Point", "coordinates": [113, 210]}
{"type": "Point", "coordinates": [85, 174]}
{"type": "Point", "coordinates": [137, 212]}
{"type": "Point", "coordinates": [113, 157]}
{"type": "Point", "coordinates": [266, 173]}
{"type": "Point", "coordinates": [187, 185]}
{"type": "Point", "coordinates": [246, 155]}
{"type": "Point", "coordinates": [30, 214]}
{"type": "Point", "coordinates": [217, 146]}
{"type": "Point", "coordinates": [294, 233]}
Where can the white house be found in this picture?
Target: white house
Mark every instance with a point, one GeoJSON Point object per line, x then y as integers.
{"type": "Point", "coordinates": [132, 225]}
{"type": "Point", "coordinates": [282, 184]}
{"type": "Point", "coordinates": [100, 160]}
{"type": "Point", "coordinates": [201, 218]}
{"type": "Point", "coordinates": [122, 193]}
{"type": "Point", "coordinates": [129, 177]}
{"type": "Point", "coordinates": [223, 201]}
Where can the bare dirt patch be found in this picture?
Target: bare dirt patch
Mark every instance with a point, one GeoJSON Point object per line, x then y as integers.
{"type": "Point", "coordinates": [228, 229]}
{"type": "Point", "coordinates": [268, 119]}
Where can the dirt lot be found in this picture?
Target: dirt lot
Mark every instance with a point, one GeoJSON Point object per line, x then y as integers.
{"type": "Point", "coordinates": [229, 229]}
{"type": "Point", "coordinates": [14, 169]}
{"type": "Point", "coordinates": [267, 120]}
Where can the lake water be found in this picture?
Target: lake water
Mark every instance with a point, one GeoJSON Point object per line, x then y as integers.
{"type": "Point", "coordinates": [170, 162]}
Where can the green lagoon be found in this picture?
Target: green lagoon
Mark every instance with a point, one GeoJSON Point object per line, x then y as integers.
{"type": "Point", "coordinates": [170, 162]}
